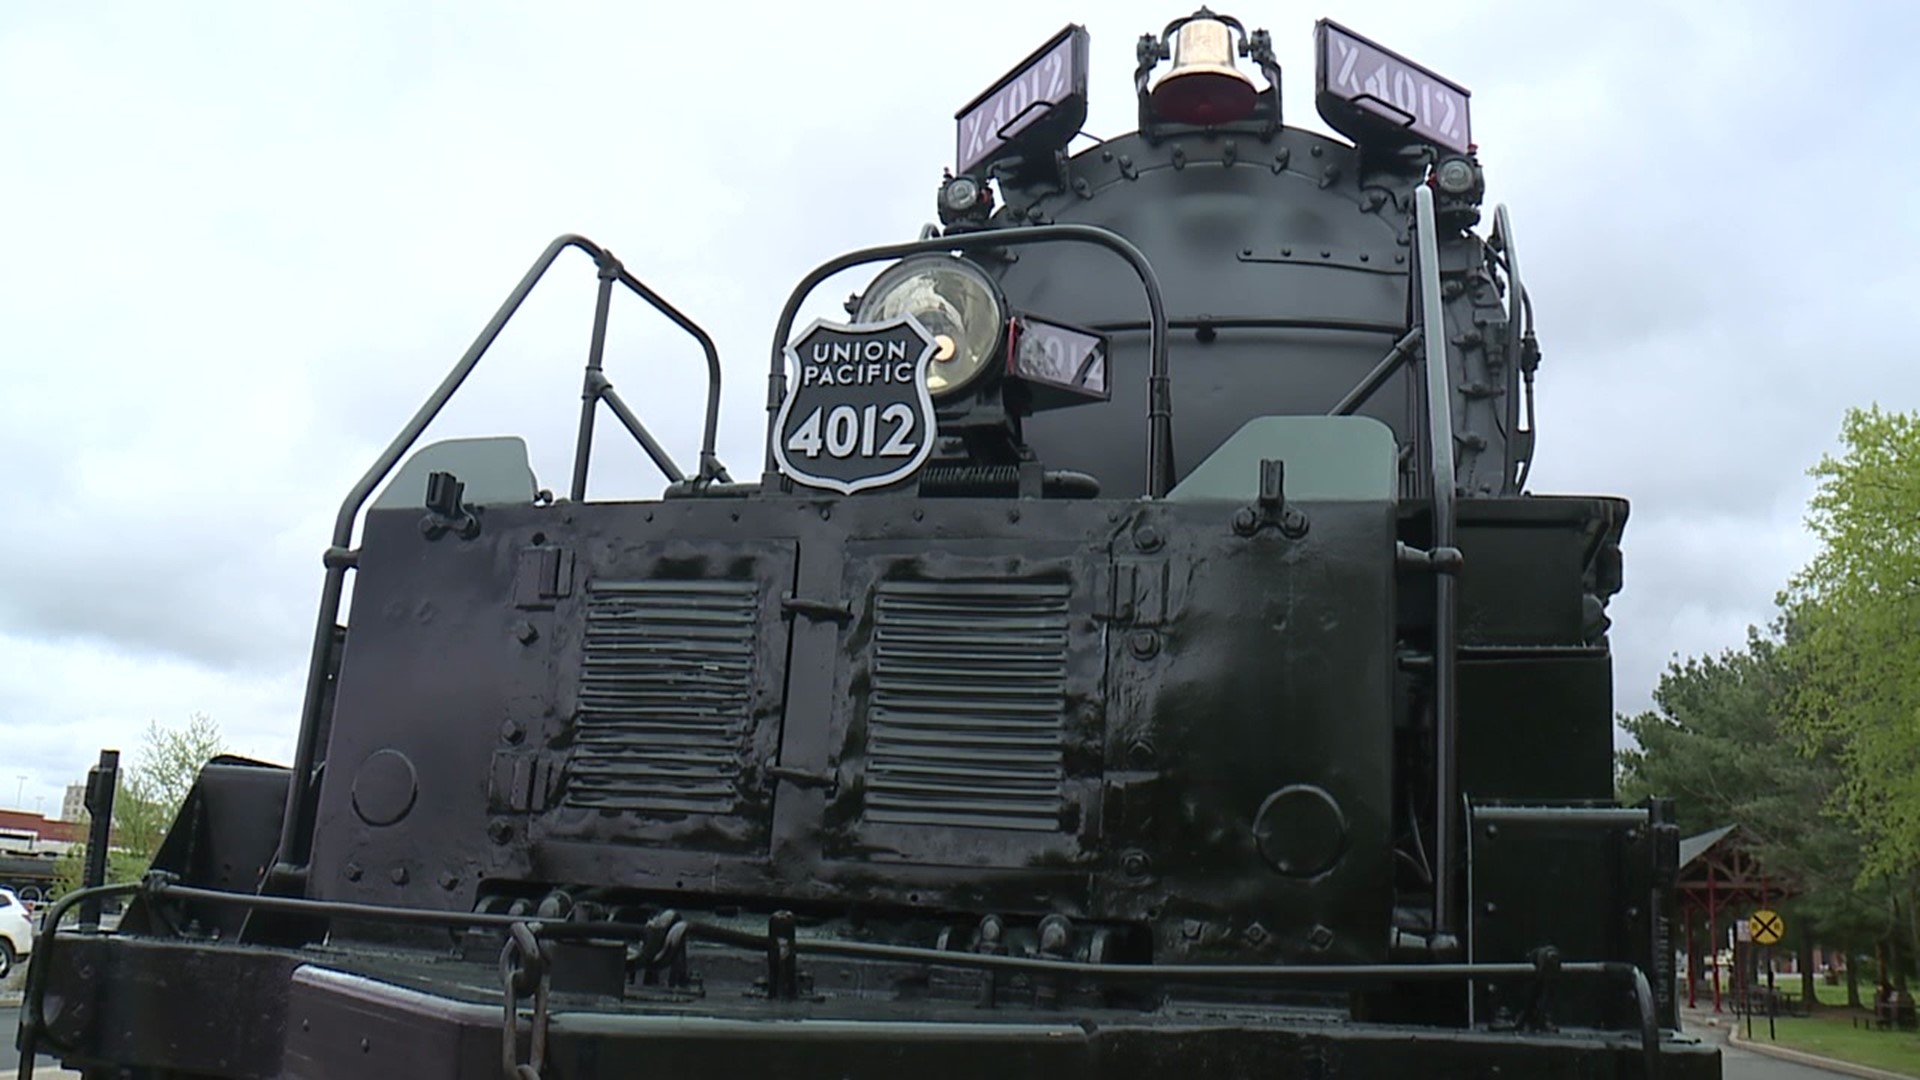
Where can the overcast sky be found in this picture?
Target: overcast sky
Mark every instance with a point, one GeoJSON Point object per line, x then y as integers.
{"type": "Point", "coordinates": [240, 242]}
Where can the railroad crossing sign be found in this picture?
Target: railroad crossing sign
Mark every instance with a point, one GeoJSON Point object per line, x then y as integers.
{"type": "Point", "coordinates": [1766, 926]}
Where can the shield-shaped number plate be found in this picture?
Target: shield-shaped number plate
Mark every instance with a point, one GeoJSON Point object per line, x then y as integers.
{"type": "Point", "coordinates": [857, 414]}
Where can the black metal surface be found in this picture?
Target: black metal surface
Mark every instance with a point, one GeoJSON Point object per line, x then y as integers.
{"type": "Point", "coordinates": [1020, 767]}
{"type": "Point", "coordinates": [294, 835]}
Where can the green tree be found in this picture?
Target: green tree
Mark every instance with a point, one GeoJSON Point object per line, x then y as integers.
{"type": "Point", "coordinates": [1860, 654]}
{"type": "Point", "coordinates": [150, 791]}
{"type": "Point", "coordinates": [1716, 743]}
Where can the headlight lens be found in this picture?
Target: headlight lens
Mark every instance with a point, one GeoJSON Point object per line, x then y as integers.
{"type": "Point", "coordinates": [955, 301]}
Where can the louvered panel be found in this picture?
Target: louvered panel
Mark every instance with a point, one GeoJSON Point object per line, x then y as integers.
{"type": "Point", "coordinates": [664, 695]}
{"type": "Point", "coordinates": [969, 694]}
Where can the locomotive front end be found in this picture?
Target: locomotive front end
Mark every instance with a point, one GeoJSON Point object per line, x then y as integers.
{"type": "Point", "coordinates": [1137, 657]}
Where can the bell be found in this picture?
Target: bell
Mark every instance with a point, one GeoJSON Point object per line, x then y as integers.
{"type": "Point", "coordinates": [1203, 87]}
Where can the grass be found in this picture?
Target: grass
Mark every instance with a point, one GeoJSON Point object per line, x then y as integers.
{"type": "Point", "coordinates": [1833, 1034]}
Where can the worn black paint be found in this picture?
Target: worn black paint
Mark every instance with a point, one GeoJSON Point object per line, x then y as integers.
{"type": "Point", "coordinates": [1027, 718]}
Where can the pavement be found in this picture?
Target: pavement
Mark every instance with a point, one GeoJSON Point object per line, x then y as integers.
{"type": "Point", "coordinates": [1760, 1059]}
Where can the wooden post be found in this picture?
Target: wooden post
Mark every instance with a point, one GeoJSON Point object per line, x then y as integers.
{"type": "Point", "coordinates": [1713, 935]}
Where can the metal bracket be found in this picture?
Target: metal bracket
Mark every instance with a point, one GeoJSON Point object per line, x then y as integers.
{"type": "Point", "coordinates": [665, 947]}
{"type": "Point", "coordinates": [1270, 508]}
{"type": "Point", "coordinates": [783, 958]}
{"type": "Point", "coordinates": [445, 511]}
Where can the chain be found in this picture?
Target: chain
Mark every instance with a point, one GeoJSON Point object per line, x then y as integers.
{"type": "Point", "coordinates": [523, 968]}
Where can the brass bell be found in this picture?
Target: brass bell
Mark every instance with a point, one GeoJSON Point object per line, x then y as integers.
{"type": "Point", "coordinates": [1203, 86]}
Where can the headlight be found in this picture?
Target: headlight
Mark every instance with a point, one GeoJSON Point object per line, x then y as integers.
{"type": "Point", "coordinates": [957, 303]}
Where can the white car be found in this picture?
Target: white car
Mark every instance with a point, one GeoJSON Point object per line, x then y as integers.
{"type": "Point", "coordinates": [16, 931]}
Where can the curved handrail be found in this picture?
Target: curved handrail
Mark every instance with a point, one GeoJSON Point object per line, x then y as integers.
{"type": "Point", "coordinates": [1159, 393]}
{"type": "Point", "coordinates": [293, 823]}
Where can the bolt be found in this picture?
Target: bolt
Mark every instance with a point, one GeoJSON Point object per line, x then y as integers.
{"type": "Point", "coordinates": [1245, 521]}
{"type": "Point", "coordinates": [525, 632]}
{"type": "Point", "coordinates": [1144, 643]}
{"type": "Point", "coordinates": [352, 871]}
{"type": "Point", "coordinates": [449, 879]}
{"type": "Point", "coordinates": [1013, 513]}
{"type": "Point", "coordinates": [1191, 929]}
{"type": "Point", "coordinates": [1147, 538]}
{"type": "Point", "coordinates": [499, 831]}
{"type": "Point", "coordinates": [1256, 934]}
{"type": "Point", "coordinates": [1136, 864]}
{"type": "Point", "coordinates": [399, 875]}
{"type": "Point", "coordinates": [1320, 938]}
{"type": "Point", "coordinates": [365, 1046]}
{"type": "Point", "coordinates": [512, 732]}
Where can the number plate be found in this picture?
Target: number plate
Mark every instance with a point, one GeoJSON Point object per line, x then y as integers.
{"type": "Point", "coordinates": [857, 414]}
{"type": "Point", "coordinates": [1366, 86]}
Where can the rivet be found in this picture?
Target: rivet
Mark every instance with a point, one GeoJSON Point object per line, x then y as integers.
{"type": "Point", "coordinates": [399, 875]}
{"type": "Point", "coordinates": [1145, 644]}
{"type": "Point", "coordinates": [826, 512]}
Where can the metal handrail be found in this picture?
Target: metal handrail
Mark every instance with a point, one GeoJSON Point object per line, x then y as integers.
{"type": "Point", "coordinates": [1159, 392]}
{"type": "Point", "coordinates": [1440, 459]}
{"type": "Point", "coordinates": [291, 851]}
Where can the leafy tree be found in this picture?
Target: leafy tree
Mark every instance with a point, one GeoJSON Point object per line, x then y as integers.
{"type": "Point", "coordinates": [1860, 655]}
{"type": "Point", "coordinates": [150, 791]}
{"type": "Point", "coordinates": [1861, 690]}
{"type": "Point", "coordinates": [1716, 744]}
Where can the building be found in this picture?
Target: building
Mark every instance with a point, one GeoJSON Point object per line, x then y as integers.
{"type": "Point", "coordinates": [74, 806]}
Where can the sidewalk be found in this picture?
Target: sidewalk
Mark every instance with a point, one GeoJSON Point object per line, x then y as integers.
{"type": "Point", "coordinates": [1729, 1029]}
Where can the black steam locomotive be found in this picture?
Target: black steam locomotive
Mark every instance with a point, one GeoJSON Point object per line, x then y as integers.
{"type": "Point", "coordinates": [1138, 657]}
